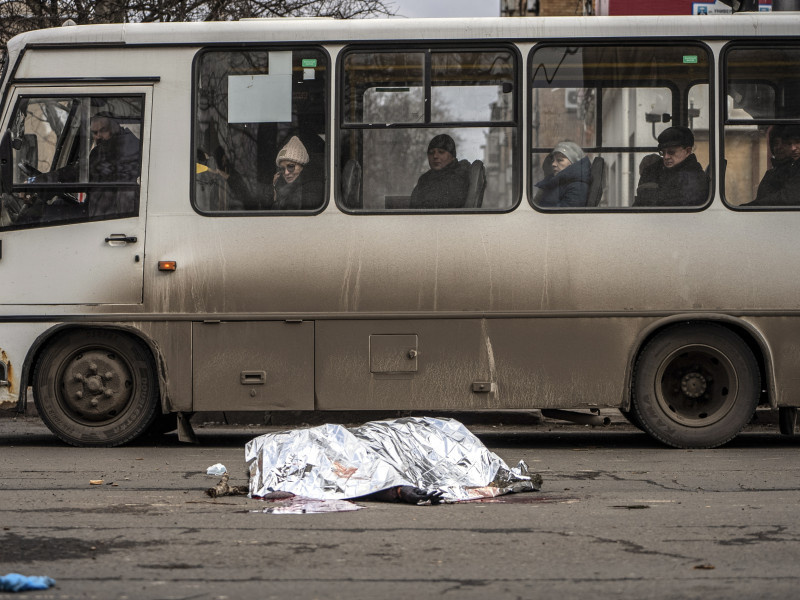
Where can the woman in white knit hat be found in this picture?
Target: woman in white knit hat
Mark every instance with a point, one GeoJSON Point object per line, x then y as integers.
{"type": "Point", "coordinates": [294, 186]}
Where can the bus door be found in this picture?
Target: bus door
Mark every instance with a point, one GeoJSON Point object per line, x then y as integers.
{"type": "Point", "coordinates": [72, 210]}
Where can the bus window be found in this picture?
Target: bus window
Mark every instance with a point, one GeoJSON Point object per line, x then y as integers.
{"type": "Point", "coordinates": [602, 114]}
{"type": "Point", "coordinates": [428, 129]}
{"type": "Point", "coordinates": [762, 126]}
{"type": "Point", "coordinates": [259, 130]}
{"type": "Point", "coordinates": [76, 158]}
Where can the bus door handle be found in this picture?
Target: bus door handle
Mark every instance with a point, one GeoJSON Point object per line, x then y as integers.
{"type": "Point", "coordinates": [253, 377]}
{"type": "Point", "coordinates": [120, 239]}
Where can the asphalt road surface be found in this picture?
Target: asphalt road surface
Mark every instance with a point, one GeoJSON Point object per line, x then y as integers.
{"type": "Point", "coordinates": [619, 516]}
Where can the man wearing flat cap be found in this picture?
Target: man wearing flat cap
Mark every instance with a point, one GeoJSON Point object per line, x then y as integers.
{"type": "Point", "coordinates": [677, 179]}
{"type": "Point", "coordinates": [781, 184]}
{"type": "Point", "coordinates": [446, 184]}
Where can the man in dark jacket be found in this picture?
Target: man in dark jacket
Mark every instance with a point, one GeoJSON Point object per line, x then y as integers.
{"type": "Point", "coordinates": [568, 186]}
{"type": "Point", "coordinates": [114, 159]}
{"type": "Point", "coordinates": [781, 184]}
{"type": "Point", "coordinates": [676, 180]}
{"type": "Point", "coordinates": [447, 182]}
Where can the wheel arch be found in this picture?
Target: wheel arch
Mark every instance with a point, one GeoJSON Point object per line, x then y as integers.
{"type": "Point", "coordinates": [744, 329]}
{"type": "Point", "coordinates": [45, 338]}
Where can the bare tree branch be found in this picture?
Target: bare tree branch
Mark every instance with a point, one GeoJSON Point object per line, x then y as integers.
{"type": "Point", "coordinates": [17, 16]}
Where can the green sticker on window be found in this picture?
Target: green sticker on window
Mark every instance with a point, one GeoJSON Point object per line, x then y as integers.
{"type": "Point", "coordinates": [690, 59]}
{"type": "Point", "coordinates": [312, 62]}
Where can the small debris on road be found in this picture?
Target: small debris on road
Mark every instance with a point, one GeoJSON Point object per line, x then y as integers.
{"type": "Point", "coordinates": [217, 469]}
{"type": "Point", "coordinates": [223, 489]}
{"type": "Point", "coordinates": [14, 582]}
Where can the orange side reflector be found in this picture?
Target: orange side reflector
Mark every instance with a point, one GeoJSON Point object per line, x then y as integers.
{"type": "Point", "coordinates": [167, 265]}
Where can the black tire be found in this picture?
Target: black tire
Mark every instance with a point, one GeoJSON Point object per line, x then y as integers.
{"type": "Point", "coordinates": [96, 387]}
{"type": "Point", "coordinates": [695, 386]}
{"type": "Point", "coordinates": [632, 418]}
{"type": "Point", "coordinates": [787, 419]}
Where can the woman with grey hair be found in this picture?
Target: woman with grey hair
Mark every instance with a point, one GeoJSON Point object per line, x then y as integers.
{"type": "Point", "coordinates": [568, 185]}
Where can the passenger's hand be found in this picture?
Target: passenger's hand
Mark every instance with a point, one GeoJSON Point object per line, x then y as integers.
{"type": "Point", "coordinates": [28, 197]}
{"type": "Point", "coordinates": [415, 495]}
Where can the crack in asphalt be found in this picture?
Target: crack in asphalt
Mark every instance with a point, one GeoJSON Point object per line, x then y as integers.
{"type": "Point", "coordinates": [628, 546]}
{"type": "Point", "coordinates": [758, 537]}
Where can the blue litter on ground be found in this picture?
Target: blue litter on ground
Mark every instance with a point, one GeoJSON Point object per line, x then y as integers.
{"type": "Point", "coordinates": [14, 582]}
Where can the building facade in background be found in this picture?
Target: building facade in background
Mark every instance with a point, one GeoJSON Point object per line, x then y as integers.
{"type": "Point", "coordinates": [668, 7]}
{"type": "Point", "coordinates": [552, 8]}
{"type": "Point", "coordinates": [545, 8]}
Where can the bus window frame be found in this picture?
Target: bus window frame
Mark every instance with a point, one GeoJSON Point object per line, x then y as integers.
{"type": "Point", "coordinates": [629, 43]}
{"type": "Point", "coordinates": [260, 47]}
{"type": "Point", "coordinates": [429, 47]}
{"type": "Point", "coordinates": [724, 121]}
{"type": "Point", "coordinates": [79, 186]}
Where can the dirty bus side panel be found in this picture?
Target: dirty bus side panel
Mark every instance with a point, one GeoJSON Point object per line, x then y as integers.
{"type": "Point", "coordinates": [253, 365]}
{"type": "Point", "coordinates": [470, 364]}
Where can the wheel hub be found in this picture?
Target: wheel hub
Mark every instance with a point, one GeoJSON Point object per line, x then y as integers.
{"type": "Point", "coordinates": [694, 384]}
{"type": "Point", "coordinates": [96, 385]}
{"type": "Point", "coordinates": [698, 385]}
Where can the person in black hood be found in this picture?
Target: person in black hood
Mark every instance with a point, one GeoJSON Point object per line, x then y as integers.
{"type": "Point", "coordinates": [572, 175]}
{"type": "Point", "coordinates": [446, 184]}
{"type": "Point", "coordinates": [781, 184]}
{"type": "Point", "coordinates": [677, 179]}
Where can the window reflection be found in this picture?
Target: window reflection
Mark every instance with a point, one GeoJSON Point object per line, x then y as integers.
{"type": "Point", "coordinates": [762, 127]}
{"type": "Point", "coordinates": [612, 103]}
{"type": "Point", "coordinates": [399, 106]}
{"type": "Point", "coordinates": [249, 106]}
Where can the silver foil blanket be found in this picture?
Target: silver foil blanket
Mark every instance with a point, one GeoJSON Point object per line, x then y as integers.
{"type": "Point", "coordinates": [331, 462]}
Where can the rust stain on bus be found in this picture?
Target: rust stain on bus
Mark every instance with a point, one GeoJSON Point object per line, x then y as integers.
{"type": "Point", "coordinates": [9, 371]}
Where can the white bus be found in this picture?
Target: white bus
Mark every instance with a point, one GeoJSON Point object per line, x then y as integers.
{"type": "Point", "coordinates": [248, 216]}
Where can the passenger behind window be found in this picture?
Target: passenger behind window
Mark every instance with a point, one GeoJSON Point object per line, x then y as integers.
{"type": "Point", "coordinates": [446, 184]}
{"type": "Point", "coordinates": [647, 162]}
{"type": "Point", "coordinates": [781, 184]}
{"type": "Point", "coordinates": [677, 179]}
{"type": "Point", "coordinates": [571, 177]}
{"type": "Point", "coordinates": [298, 184]}
{"type": "Point", "coordinates": [211, 180]}
{"type": "Point", "coordinates": [114, 158]}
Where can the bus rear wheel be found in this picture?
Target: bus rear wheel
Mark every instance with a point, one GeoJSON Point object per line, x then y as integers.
{"type": "Point", "coordinates": [695, 386]}
{"type": "Point", "coordinates": [96, 387]}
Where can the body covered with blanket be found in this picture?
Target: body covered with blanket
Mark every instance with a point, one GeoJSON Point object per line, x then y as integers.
{"type": "Point", "coordinates": [332, 462]}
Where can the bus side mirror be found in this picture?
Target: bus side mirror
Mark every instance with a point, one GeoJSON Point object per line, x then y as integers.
{"type": "Point", "coordinates": [6, 165]}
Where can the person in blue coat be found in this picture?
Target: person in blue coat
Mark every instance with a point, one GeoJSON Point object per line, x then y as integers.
{"type": "Point", "coordinates": [568, 186]}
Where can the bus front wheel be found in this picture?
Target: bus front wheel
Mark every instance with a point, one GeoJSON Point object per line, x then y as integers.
{"type": "Point", "coordinates": [695, 386]}
{"type": "Point", "coordinates": [96, 387]}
